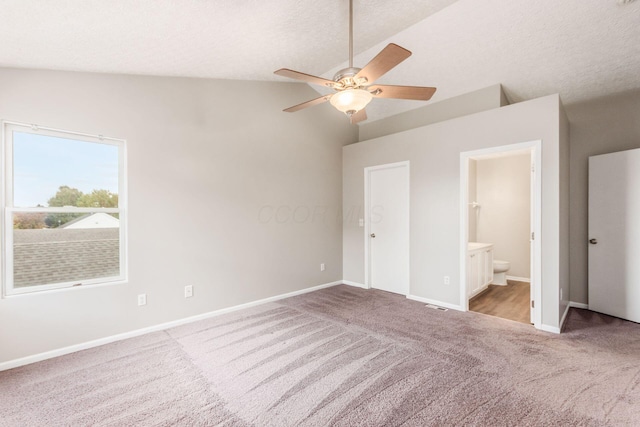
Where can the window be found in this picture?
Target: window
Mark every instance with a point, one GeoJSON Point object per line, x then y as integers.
{"type": "Point", "coordinates": [64, 220]}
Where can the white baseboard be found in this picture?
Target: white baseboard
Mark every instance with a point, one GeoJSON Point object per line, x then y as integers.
{"type": "Point", "coordinates": [10, 364]}
{"type": "Point", "coordinates": [578, 305]}
{"type": "Point", "coordinates": [564, 315]}
{"type": "Point", "coordinates": [434, 302]}
{"type": "Point", "coordinates": [571, 304]}
{"type": "Point", "coordinates": [356, 284]}
{"type": "Point", "coordinates": [552, 329]}
{"type": "Point", "coordinates": [519, 279]}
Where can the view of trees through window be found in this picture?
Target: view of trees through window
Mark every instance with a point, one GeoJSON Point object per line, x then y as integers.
{"type": "Point", "coordinates": [62, 197]}
{"type": "Point", "coordinates": [66, 196]}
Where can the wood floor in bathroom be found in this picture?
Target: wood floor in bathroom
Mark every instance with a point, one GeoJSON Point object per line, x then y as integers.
{"type": "Point", "coordinates": [508, 302]}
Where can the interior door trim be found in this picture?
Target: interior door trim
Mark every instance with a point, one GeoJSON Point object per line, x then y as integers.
{"type": "Point", "coordinates": [536, 213]}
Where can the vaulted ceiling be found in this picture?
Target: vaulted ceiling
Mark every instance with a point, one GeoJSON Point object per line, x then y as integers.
{"type": "Point", "coordinates": [582, 49]}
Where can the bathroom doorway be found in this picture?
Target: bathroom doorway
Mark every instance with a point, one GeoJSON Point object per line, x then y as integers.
{"type": "Point", "coordinates": [500, 199]}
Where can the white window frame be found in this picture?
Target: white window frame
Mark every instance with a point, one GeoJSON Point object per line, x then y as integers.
{"type": "Point", "coordinates": [8, 208]}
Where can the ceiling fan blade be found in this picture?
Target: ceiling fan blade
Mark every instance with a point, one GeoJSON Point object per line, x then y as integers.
{"type": "Point", "coordinates": [419, 93]}
{"type": "Point", "coordinates": [388, 58]}
{"type": "Point", "coordinates": [285, 72]}
{"type": "Point", "coordinates": [311, 103]}
{"type": "Point", "coordinates": [358, 117]}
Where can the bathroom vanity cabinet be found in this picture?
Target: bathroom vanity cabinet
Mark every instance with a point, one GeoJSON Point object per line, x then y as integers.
{"type": "Point", "coordinates": [479, 267]}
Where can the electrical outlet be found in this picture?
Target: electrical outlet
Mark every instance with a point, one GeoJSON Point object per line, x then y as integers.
{"type": "Point", "coordinates": [447, 280]}
{"type": "Point", "coordinates": [361, 222]}
{"type": "Point", "coordinates": [322, 267]}
{"type": "Point", "coordinates": [142, 299]}
{"type": "Point", "coordinates": [188, 291]}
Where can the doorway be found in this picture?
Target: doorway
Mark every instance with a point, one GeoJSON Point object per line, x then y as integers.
{"type": "Point", "coordinates": [500, 232]}
{"type": "Point", "coordinates": [387, 227]}
{"type": "Point", "coordinates": [614, 234]}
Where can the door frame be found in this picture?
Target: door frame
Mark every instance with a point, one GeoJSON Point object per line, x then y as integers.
{"type": "Point", "coordinates": [535, 147]}
{"type": "Point", "coordinates": [612, 285]}
{"type": "Point", "coordinates": [367, 213]}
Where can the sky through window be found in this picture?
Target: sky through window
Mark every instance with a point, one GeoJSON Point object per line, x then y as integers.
{"type": "Point", "coordinates": [43, 163]}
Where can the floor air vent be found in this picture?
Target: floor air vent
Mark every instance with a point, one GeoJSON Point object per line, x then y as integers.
{"type": "Point", "coordinates": [435, 307]}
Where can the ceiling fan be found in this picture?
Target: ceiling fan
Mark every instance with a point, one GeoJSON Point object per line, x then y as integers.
{"type": "Point", "coordinates": [354, 87]}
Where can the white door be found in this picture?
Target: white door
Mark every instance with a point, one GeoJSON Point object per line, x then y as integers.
{"type": "Point", "coordinates": [388, 219]}
{"type": "Point", "coordinates": [614, 234]}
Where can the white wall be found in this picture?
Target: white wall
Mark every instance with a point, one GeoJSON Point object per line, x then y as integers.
{"type": "Point", "coordinates": [434, 153]}
{"type": "Point", "coordinates": [599, 126]}
{"type": "Point", "coordinates": [503, 189]}
{"type": "Point", "coordinates": [469, 103]}
{"type": "Point", "coordinates": [206, 159]}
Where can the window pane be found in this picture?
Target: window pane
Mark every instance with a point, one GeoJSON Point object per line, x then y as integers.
{"type": "Point", "coordinates": [54, 171]}
{"type": "Point", "coordinates": [84, 247]}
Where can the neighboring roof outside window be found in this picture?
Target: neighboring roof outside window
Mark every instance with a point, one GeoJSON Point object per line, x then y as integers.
{"type": "Point", "coordinates": [60, 255]}
{"type": "Point", "coordinates": [93, 220]}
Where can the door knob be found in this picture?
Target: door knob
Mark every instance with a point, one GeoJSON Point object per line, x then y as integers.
{"type": "Point", "coordinates": [373, 235]}
{"type": "Point", "coordinates": [593, 241]}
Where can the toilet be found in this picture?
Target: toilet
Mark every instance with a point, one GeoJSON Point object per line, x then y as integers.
{"type": "Point", "coordinates": [500, 269]}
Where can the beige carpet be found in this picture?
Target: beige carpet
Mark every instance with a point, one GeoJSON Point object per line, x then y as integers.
{"type": "Point", "coordinates": [341, 356]}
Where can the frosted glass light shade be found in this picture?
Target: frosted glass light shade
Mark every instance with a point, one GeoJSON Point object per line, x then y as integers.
{"type": "Point", "coordinates": [352, 100]}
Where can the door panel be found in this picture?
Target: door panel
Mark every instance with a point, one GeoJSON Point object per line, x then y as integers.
{"type": "Point", "coordinates": [614, 212]}
{"type": "Point", "coordinates": [389, 222]}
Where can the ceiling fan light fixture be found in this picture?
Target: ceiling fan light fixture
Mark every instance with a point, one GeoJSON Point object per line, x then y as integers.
{"type": "Point", "coordinates": [352, 100]}
{"type": "Point", "coordinates": [353, 85]}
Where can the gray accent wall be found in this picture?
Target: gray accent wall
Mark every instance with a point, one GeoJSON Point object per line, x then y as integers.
{"type": "Point", "coordinates": [226, 193]}
{"type": "Point", "coordinates": [434, 153]}
{"type": "Point", "coordinates": [600, 126]}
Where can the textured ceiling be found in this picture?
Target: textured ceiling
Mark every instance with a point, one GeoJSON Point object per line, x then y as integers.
{"type": "Point", "coordinates": [581, 49]}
